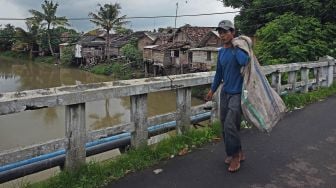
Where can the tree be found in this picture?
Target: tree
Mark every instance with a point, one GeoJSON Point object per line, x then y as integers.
{"type": "Point", "coordinates": [291, 38]}
{"type": "Point", "coordinates": [28, 38]}
{"type": "Point", "coordinates": [131, 52]}
{"type": "Point", "coordinates": [254, 14]}
{"type": "Point", "coordinates": [48, 19]}
{"type": "Point", "coordinates": [107, 18]}
{"type": "Point", "coordinates": [123, 31]}
{"type": "Point", "coordinates": [7, 37]}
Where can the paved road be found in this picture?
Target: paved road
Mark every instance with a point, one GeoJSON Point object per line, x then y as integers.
{"type": "Point", "coordinates": [299, 152]}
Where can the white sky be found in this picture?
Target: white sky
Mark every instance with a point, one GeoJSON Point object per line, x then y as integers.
{"type": "Point", "coordinates": [131, 8]}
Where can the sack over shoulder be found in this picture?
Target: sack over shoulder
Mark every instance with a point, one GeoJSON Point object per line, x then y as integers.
{"type": "Point", "coordinates": [261, 104]}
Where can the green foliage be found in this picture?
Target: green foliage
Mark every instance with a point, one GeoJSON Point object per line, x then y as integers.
{"type": "Point", "coordinates": [97, 174]}
{"type": "Point", "coordinates": [7, 35]}
{"type": "Point", "coordinates": [295, 100]}
{"type": "Point", "coordinates": [68, 55]}
{"type": "Point", "coordinates": [100, 69]}
{"type": "Point", "coordinates": [123, 31]}
{"type": "Point", "coordinates": [291, 38]}
{"type": "Point", "coordinates": [116, 69]}
{"type": "Point", "coordinates": [257, 13]}
{"type": "Point", "coordinates": [48, 19]}
{"type": "Point", "coordinates": [46, 59]}
{"type": "Point", "coordinates": [13, 54]}
{"type": "Point", "coordinates": [132, 53]}
{"type": "Point", "coordinates": [108, 18]}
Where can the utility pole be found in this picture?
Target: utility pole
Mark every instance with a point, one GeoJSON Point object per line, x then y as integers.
{"type": "Point", "coordinates": [176, 13]}
{"type": "Point", "coordinates": [174, 29]}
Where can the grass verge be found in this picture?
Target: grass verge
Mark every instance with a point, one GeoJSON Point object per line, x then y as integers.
{"type": "Point", "coordinates": [299, 100]}
{"type": "Point", "coordinates": [96, 174]}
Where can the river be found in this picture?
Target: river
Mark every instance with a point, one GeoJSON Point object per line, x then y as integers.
{"type": "Point", "coordinates": [33, 127]}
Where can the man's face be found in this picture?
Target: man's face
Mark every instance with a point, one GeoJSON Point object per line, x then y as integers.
{"type": "Point", "coordinates": [226, 35]}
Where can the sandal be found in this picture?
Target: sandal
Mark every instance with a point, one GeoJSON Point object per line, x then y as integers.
{"type": "Point", "coordinates": [228, 159]}
{"type": "Point", "coordinates": [234, 164]}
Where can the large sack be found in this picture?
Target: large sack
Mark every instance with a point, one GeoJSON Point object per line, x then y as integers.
{"type": "Point", "coordinates": [261, 104]}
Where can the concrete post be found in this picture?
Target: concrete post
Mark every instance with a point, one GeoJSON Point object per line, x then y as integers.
{"type": "Point", "coordinates": [139, 117]}
{"type": "Point", "coordinates": [305, 79]}
{"type": "Point", "coordinates": [154, 70]}
{"type": "Point", "coordinates": [146, 64]}
{"type": "Point", "coordinates": [276, 81]}
{"type": "Point", "coordinates": [183, 109]}
{"type": "Point", "coordinates": [75, 132]}
{"type": "Point", "coordinates": [330, 75]}
{"type": "Point", "coordinates": [292, 80]}
{"type": "Point", "coordinates": [324, 76]}
{"type": "Point", "coordinates": [318, 76]}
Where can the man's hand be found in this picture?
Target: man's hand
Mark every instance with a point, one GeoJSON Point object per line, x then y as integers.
{"type": "Point", "coordinates": [208, 97]}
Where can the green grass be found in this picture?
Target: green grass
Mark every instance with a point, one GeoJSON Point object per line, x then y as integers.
{"type": "Point", "coordinates": [46, 59]}
{"type": "Point", "coordinates": [100, 69]}
{"type": "Point", "coordinates": [298, 100]}
{"type": "Point", "coordinates": [96, 174]}
{"type": "Point", "coordinates": [12, 54]}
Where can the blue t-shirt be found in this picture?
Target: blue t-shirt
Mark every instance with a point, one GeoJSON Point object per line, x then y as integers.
{"type": "Point", "coordinates": [229, 63]}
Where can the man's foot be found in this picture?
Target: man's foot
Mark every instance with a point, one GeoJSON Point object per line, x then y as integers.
{"type": "Point", "coordinates": [235, 163]}
{"type": "Point", "coordinates": [229, 158]}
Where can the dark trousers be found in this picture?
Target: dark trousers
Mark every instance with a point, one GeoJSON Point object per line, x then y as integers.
{"type": "Point", "coordinates": [230, 117]}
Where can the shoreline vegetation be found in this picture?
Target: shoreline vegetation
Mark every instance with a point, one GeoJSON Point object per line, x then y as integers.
{"type": "Point", "coordinates": [97, 174]}
{"type": "Point", "coordinates": [115, 69]}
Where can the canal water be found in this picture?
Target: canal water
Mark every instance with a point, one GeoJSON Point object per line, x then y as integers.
{"type": "Point", "coordinates": [33, 127]}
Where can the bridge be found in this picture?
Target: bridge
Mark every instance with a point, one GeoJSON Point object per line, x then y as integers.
{"type": "Point", "coordinates": [71, 151]}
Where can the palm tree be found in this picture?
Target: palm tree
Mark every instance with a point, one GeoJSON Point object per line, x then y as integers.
{"type": "Point", "coordinates": [107, 18]}
{"type": "Point", "coordinates": [49, 19]}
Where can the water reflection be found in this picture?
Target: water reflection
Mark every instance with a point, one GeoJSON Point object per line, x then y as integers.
{"type": "Point", "coordinates": [31, 127]}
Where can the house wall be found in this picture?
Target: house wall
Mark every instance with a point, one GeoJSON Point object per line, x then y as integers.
{"type": "Point", "coordinates": [213, 41]}
{"type": "Point", "coordinates": [183, 57]}
{"type": "Point", "coordinates": [200, 61]}
{"type": "Point", "coordinates": [158, 56]}
{"type": "Point", "coordinates": [91, 52]}
{"type": "Point", "coordinates": [158, 42]}
{"type": "Point", "coordinates": [167, 60]}
{"type": "Point", "coordinates": [115, 51]}
{"type": "Point", "coordinates": [144, 41]}
{"type": "Point", "coordinates": [180, 37]}
{"type": "Point", "coordinates": [147, 54]}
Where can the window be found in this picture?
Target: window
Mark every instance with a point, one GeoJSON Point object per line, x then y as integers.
{"type": "Point", "coordinates": [176, 53]}
{"type": "Point", "coordinates": [208, 56]}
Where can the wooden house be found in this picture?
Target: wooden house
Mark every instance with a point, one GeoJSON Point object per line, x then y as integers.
{"type": "Point", "coordinates": [142, 39]}
{"type": "Point", "coordinates": [92, 46]}
{"type": "Point", "coordinates": [211, 39]}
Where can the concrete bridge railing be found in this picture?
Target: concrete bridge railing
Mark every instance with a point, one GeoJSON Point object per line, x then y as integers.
{"type": "Point", "coordinates": [74, 98]}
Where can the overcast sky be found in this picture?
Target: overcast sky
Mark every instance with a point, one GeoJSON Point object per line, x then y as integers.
{"type": "Point", "coordinates": [130, 8]}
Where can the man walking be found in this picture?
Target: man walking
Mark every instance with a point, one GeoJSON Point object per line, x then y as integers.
{"type": "Point", "coordinates": [229, 62]}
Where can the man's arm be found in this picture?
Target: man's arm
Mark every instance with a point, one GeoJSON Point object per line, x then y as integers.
{"type": "Point", "coordinates": [242, 57]}
{"type": "Point", "coordinates": [217, 79]}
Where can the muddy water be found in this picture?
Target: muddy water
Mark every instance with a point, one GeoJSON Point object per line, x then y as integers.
{"type": "Point", "coordinates": [32, 127]}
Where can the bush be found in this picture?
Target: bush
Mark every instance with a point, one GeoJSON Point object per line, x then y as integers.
{"type": "Point", "coordinates": [14, 54]}
{"type": "Point", "coordinates": [116, 69]}
{"type": "Point", "coordinates": [291, 38]}
{"type": "Point", "coordinates": [67, 55]}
